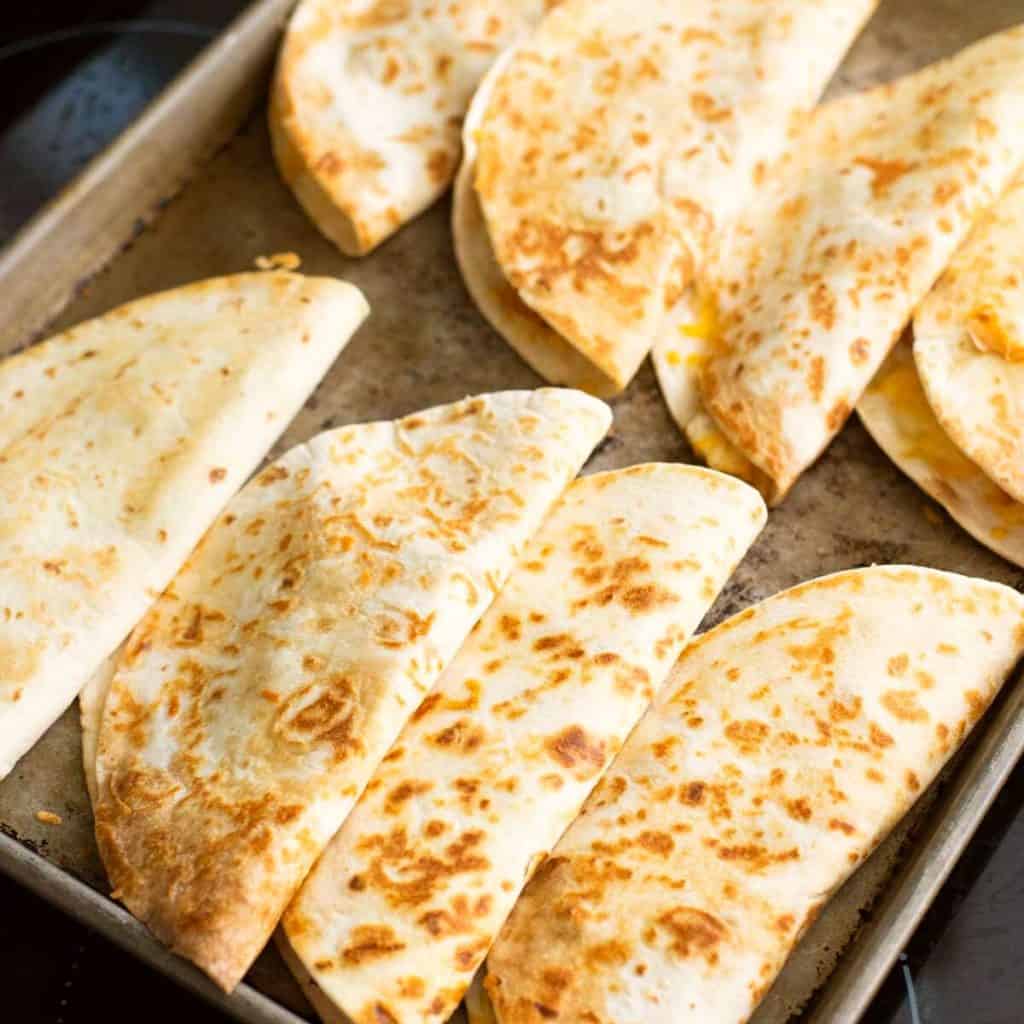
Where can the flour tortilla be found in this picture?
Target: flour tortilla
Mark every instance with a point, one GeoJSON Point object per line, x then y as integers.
{"type": "Point", "coordinates": [527, 332]}
{"type": "Point", "coordinates": [123, 439]}
{"type": "Point", "coordinates": [786, 744]}
{"type": "Point", "coordinates": [368, 99]}
{"type": "Point", "coordinates": [849, 234]}
{"type": "Point", "coordinates": [896, 413]}
{"type": "Point", "coordinates": [402, 907]}
{"type": "Point", "coordinates": [618, 138]}
{"type": "Point", "coordinates": [969, 345]}
{"type": "Point", "coordinates": [253, 703]}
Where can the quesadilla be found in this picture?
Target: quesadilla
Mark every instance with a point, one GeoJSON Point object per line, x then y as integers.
{"type": "Point", "coordinates": [406, 900]}
{"type": "Point", "coordinates": [787, 742]}
{"type": "Point", "coordinates": [367, 102]}
{"type": "Point", "coordinates": [613, 144]}
{"type": "Point", "coordinates": [123, 439]}
{"type": "Point", "coordinates": [252, 704]}
{"type": "Point", "coordinates": [897, 415]}
{"type": "Point", "coordinates": [969, 345]}
{"type": "Point", "coordinates": [851, 229]}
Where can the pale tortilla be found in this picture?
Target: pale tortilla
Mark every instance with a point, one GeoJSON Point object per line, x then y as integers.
{"type": "Point", "coordinates": [786, 744]}
{"type": "Point", "coordinates": [255, 700]}
{"type": "Point", "coordinates": [969, 345]}
{"type": "Point", "coordinates": [897, 415]}
{"type": "Point", "coordinates": [125, 436]}
{"type": "Point", "coordinates": [620, 137]}
{"type": "Point", "coordinates": [368, 99]}
{"type": "Point", "coordinates": [848, 235]}
{"type": "Point", "coordinates": [400, 910]}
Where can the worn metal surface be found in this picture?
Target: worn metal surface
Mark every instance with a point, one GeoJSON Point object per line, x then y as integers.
{"type": "Point", "coordinates": [425, 344]}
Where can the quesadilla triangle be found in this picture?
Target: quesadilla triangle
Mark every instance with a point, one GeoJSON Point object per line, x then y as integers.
{"type": "Point", "coordinates": [367, 102]}
{"type": "Point", "coordinates": [969, 345]}
{"type": "Point", "coordinates": [122, 440]}
{"type": "Point", "coordinates": [253, 703]}
{"type": "Point", "coordinates": [897, 415]}
{"type": "Point", "coordinates": [614, 144]}
{"type": "Point", "coordinates": [849, 234]}
{"type": "Point", "coordinates": [786, 744]}
{"type": "Point", "coordinates": [400, 910]}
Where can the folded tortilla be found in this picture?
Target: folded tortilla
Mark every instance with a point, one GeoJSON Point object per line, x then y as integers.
{"type": "Point", "coordinates": [897, 415]}
{"type": "Point", "coordinates": [406, 900]}
{"type": "Point", "coordinates": [122, 440]}
{"type": "Point", "coordinates": [787, 742]}
{"type": "Point", "coordinates": [969, 345]}
{"type": "Point", "coordinates": [554, 358]}
{"type": "Point", "coordinates": [252, 704]}
{"type": "Point", "coordinates": [368, 99]}
{"type": "Point", "coordinates": [849, 234]}
{"type": "Point", "coordinates": [612, 146]}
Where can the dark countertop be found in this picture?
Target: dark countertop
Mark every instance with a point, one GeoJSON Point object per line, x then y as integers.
{"type": "Point", "coordinates": [62, 102]}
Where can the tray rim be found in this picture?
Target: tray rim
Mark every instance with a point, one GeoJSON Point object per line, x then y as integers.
{"type": "Point", "coordinates": [100, 913]}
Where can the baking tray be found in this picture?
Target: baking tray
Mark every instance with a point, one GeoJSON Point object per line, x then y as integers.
{"type": "Point", "coordinates": [115, 235]}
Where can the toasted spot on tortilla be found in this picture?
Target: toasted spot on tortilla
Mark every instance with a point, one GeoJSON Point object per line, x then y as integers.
{"type": "Point", "coordinates": [421, 874]}
{"type": "Point", "coordinates": [411, 987]}
{"type": "Point", "coordinates": [659, 843]}
{"type": "Point", "coordinates": [747, 735]}
{"type": "Point", "coordinates": [884, 172]}
{"type": "Point", "coordinates": [576, 751]}
{"type": "Point", "coordinates": [898, 664]}
{"type": "Point", "coordinates": [693, 932]}
{"type": "Point", "coordinates": [371, 942]}
{"type": "Point", "coordinates": [903, 704]}
{"type": "Point", "coordinates": [403, 793]}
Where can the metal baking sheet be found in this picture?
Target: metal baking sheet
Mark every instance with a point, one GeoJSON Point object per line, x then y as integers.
{"type": "Point", "coordinates": [114, 235]}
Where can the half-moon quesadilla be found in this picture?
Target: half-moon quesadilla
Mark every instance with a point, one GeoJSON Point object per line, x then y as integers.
{"type": "Point", "coordinates": [368, 99]}
{"type": "Point", "coordinates": [122, 439]}
{"type": "Point", "coordinates": [613, 144]}
{"type": "Point", "coordinates": [969, 345]}
{"type": "Point", "coordinates": [851, 229]}
{"type": "Point", "coordinates": [252, 704]}
{"type": "Point", "coordinates": [897, 415]}
{"type": "Point", "coordinates": [787, 742]}
{"type": "Point", "coordinates": [406, 900]}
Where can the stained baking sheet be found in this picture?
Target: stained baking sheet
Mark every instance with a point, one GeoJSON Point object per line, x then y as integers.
{"type": "Point", "coordinates": [113, 236]}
